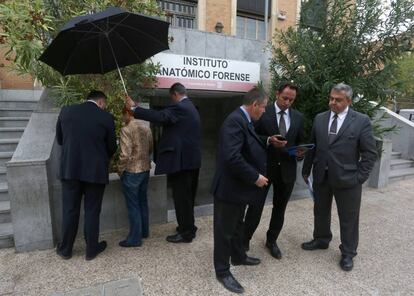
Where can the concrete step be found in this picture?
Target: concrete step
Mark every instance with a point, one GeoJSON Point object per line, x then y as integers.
{"type": "Point", "coordinates": [6, 235]}
{"type": "Point", "coordinates": [397, 164]}
{"type": "Point", "coordinates": [395, 155]}
{"type": "Point", "coordinates": [14, 121]}
{"type": "Point", "coordinates": [4, 191]}
{"type": "Point", "coordinates": [11, 132]}
{"type": "Point", "coordinates": [401, 174]}
{"type": "Point", "coordinates": [15, 112]}
{"type": "Point", "coordinates": [3, 174]}
{"type": "Point", "coordinates": [5, 157]}
{"type": "Point", "coordinates": [5, 216]}
{"type": "Point", "coordinates": [8, 144]}
{"type": "Point", "coordinates": [12, 104]}
{"type": "Point", "coordinates": [20, 94]}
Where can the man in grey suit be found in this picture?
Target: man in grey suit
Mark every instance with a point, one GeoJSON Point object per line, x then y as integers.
{"type": "Point", "coordinates": [342, 160]}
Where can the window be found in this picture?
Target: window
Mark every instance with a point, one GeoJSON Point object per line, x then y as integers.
{"type": "Point", "coordinates": [180, 13]}
{"type": "Point", "coordinates": [313, 13]}
{"type": "Point", "coordinates": [252, 28]}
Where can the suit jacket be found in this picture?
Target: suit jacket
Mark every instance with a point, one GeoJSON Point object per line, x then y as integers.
{"type": "Point", "coordinates": [349, 158]}
{"type": "Point", "coordinates": [268, 126]}
{"type": "Point", "coordinates": [179, 147]}
{"type": "Point", "coordinates": [87, 136]}
{"type": "Point", "coordinates": [241, 158]}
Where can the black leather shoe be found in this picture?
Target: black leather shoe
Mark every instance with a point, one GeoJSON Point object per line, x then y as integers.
{"type": "Point", "coordinates": [346, 263]}
{"type": "Point", "coordinates": [314, 245]}
{"type": "Point", "coordinates": [101, 247]}
{"type": "Point", "coordinates": [247, 261]}
{"type": "Point", "coordinates": [126, 244]}
{"type": "Point", "coordinates": [231, 284]}
{"type": "Point", "coordinates": [178, 238]}
{"type": "Point", "coordinates": [63, 256]}
{"type": "Point", "coordinates": [274, 250]}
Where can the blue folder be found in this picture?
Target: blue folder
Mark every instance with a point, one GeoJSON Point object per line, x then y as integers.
{"type": "Point", "coordinates": [306, 147]}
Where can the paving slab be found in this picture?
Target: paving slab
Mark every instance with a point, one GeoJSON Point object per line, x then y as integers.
{"type": "Point", "coordinates": [384, 265]}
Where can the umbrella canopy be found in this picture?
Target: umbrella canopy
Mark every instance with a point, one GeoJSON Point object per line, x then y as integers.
{"type": "Point", "coordinates": [104, 41]}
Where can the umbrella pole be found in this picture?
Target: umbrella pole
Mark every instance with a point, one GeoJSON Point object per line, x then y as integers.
{"type": "Point", "coordinates": [116, 62]}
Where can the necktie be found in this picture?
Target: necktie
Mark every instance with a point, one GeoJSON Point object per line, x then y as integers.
{"type": "Point", "coordinates": [282, 124]}
{"type": "Point", "coordinates": [333, 129]}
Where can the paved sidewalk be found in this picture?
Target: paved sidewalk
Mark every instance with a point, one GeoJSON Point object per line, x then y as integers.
{"type": "Point", "coordinates": [384, 266]}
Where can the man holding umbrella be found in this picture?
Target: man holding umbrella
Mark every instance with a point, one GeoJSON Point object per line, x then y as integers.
{"type": "Point", "coordinates": [178, 156]}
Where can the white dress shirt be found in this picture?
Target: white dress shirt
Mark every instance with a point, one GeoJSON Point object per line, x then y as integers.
{"type": "Point", "coordinates": [249, 119]}
{"type": "Point", "coordinates": [340, 120]}
{"type": "Point", "coordinates": [286, 116]}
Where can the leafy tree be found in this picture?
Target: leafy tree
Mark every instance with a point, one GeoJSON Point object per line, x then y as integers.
{"type": "Point", "coordinates": [402, 84]}
{"type": "Point", "coordinates": [356, 42]}
{"type": "Point", "coordinates": [28, 26]}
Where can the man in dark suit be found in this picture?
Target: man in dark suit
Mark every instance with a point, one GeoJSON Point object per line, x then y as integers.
{"type": "Point", "coordinates": [344, 156]}
{"type": "Point", "coordinates": [278, 119]}
{"type": "Point", "coordinates": [87, 135]}
{"type": "Point", "coordinates": [239, 180]}
{"type": "Point", "coordinates": [178, 155]}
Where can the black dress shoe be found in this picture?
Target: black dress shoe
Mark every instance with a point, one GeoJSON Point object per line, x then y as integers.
{"type": "Point", "coordinates": [101, 247]}
{"type": "Point", "coordinates": [231, 284]}
{"type": "Point", "coordinates": [179, 238]}
{"type": "Point", "coordinates": [126, 244]}
{"type": "Point", "coordinates": [274, 250]}
{"type": "Point", "coordinates": [346, 263]}
{"type": "Point", "coordinates": [247, 261]}
{"type": "Point", "coordinates": [314, 245]}
{"type": "Point", "coordinates": [63, 256]}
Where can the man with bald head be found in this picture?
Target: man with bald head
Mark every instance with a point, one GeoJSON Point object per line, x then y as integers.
{"type": "Point", "coordinates": [342, 160]}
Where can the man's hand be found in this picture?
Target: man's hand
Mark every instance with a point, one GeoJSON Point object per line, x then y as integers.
{"type": "Point", "coordinates": [261, 181]}
{"type": "Point", "coordinates": [277, 143]}
{"type": "Point", "coordinates": [300, 152]}
{"type": "Point", "coordinates": [306, 179]}
{"type": "Point", "coordinates": [129, 103]}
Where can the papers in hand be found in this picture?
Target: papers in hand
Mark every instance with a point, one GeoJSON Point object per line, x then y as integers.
{"type": "Point", "coordinates": [292, 150]}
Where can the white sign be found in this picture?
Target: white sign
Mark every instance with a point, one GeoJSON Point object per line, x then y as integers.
{"type": "Point", "coordinates": [206, 73]}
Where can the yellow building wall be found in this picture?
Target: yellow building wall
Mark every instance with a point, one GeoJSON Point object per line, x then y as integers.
{"type": "Point", "coordinates": [218, 11]}
{"type": "Point", "coordinates": [11, 80]}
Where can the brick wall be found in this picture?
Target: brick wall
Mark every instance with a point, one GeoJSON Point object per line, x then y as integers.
{"type": "Point", "coordinates": [218, 11]}
{"type": "Point", "coordinates": [290, 7]}
{"type": "Point", "coordinates": [12, 80]}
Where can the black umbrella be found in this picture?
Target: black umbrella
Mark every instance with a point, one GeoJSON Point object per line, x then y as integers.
{"type": "Point", "coordinates": [101, 42]}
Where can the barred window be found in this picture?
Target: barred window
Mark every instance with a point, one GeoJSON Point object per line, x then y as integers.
{"type": "Point", "coordinates": [180, 13]}
{"type": "Point", "coordinates": [252, 28]}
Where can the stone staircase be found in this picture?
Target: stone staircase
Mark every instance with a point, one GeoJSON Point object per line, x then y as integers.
{"type": "Point", "coordinates": [401, 169]}
{"type": "Point", "coordinates": [16, 107]}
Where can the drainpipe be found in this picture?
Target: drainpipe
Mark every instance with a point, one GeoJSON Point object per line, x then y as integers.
{"type": "Point", "coordinates": [266, 19]}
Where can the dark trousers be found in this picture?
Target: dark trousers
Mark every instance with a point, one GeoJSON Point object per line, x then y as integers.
{"type": "Point", "coordinates": [134, 187]}
{"type": "Point", "coordinates": [228, 235]}
{"type": "Point", "coordinates": [281, 196]}
{"type": "Point", "coordinates": [348, 202]}
{"type": "Point", "coordinates": [184, 189]}
{"type": "Point", "coordinates": [72, 192]}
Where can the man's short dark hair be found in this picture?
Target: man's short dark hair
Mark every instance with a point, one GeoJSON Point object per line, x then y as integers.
{"type": "Point", "coordinates": [254, 95]}
{"type": "Point", "coordinates": [286, 84]}
{"type": "Point", "coordinates": [96, 95]}
{"type": "Point", "coordinates": [178, 88]}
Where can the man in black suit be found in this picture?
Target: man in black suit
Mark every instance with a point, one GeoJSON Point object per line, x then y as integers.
{"type": "Point", "coordinates": [239, 180]}
{"type": "Point", "coordinates": [278, 119]}
{"type": "Point", "coordinates": [178, 155]}
{"type": "Point", "coordinates": [87, 135]}
{"type": "Point", "coordinates": [344, 156]}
